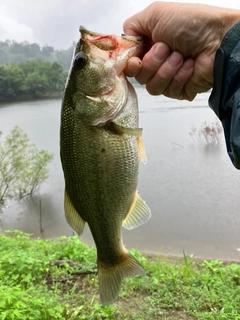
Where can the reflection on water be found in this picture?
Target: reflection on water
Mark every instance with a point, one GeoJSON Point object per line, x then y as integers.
{"type": "Point", "coordinates": [191, 188]}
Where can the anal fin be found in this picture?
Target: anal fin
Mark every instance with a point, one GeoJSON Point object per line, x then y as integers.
{"type": "Point", "coordinates": [72, 216]}
{"type": "Point", "coordinates": [138, 214]}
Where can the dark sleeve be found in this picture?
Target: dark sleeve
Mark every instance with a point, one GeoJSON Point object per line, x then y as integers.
{"type": "Point", "coordinates": [225, 96]}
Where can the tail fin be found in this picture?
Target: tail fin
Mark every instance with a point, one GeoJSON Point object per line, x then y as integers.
{"type": "Point", "coordinates": [110, 277]}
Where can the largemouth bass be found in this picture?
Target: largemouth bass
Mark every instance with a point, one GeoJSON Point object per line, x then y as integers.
{"type": "Point", "coordinates": [100, 151]}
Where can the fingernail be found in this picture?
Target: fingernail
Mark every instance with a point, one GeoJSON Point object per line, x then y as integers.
{"type": "Point", "coordinates": [174, 59]}
{"type": "Point", "coordinates": [160, 51]}
{"type": "Point", "coordinates": [130, 32]}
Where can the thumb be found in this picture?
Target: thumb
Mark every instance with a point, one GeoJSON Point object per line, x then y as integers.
{"type": "Point", "coordinates": [134, 26]}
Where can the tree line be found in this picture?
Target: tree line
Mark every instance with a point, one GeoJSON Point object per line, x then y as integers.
{"type": "Point", "coordinates": [32, 79]}
{"type": "Point", "coordinates": [17, 52]}
{"type": "Point", "coordinates": [28, 71]}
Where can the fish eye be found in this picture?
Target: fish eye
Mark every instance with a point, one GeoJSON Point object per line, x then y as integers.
{"type": "Point", "coordinates": [81, 59]}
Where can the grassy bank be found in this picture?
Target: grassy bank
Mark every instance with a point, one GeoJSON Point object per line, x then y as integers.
{"type": "Point", "coordinates": [35, 284]}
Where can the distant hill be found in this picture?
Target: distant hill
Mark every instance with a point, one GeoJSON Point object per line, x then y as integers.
{"type": "Point", "coordinates": [17, 52]}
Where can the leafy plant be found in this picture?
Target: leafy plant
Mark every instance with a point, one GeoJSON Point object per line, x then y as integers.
{"type": "Point", "coordinates": [22, 166]}
{"type": "Point", "coordinates": [33, 287]}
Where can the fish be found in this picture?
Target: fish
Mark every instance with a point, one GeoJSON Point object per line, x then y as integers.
{"type": "Point", "coordinates": [100, 150]}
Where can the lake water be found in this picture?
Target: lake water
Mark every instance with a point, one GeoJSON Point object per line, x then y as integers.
{"type": "Point", "coordinates": [192, 188]}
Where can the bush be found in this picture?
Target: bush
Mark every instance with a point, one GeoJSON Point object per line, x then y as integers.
{"type": "Point", "coordinates": [209, 133]}
{"type": "Point", "coordinates": [22, 166]}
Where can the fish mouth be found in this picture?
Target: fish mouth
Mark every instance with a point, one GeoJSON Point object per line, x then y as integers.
{"type": "Point", "coordinates": [113, 43]}
{"type": "Point", "coordinates": [85, 32]}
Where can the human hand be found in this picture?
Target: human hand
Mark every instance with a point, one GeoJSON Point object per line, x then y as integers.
{"type": "Point", "coordinates": [186, 37]}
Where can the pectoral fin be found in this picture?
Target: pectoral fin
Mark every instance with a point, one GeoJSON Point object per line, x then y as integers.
{"type": "Point", "coordinates": [142, 156]}
{"type": "Point", "coordinates": [72, 216]}
{"type": "Point", "coordinates": [123, 130]}
{"type": "Point", "coordinates": [138, 214]}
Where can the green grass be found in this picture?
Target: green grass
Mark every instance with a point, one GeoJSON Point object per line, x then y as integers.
{"type": "Point", "coordinates": [33, 287]}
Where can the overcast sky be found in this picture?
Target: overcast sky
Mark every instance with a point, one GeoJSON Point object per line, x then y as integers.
{"type": "Point", "coordinates": [56, 22]}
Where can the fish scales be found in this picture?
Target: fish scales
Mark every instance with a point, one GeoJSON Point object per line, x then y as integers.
{"type": "Point", "coordinates": [100, 147]}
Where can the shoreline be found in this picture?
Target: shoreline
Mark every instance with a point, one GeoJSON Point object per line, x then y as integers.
{"type": "Point", "coordinates": [57, 95]}
{"type": "Point", "coordinates": [151, 255]}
